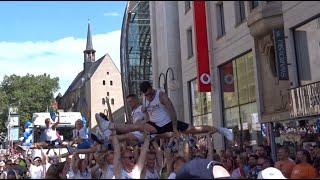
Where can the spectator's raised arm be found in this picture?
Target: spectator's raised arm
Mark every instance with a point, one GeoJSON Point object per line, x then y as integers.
{"type": "Point", "coordinates": [209, 146]}
{"type": "Point", "coordinates": [75, 162]}
{"type": "Point", "coordinates": [117, 156]}
{"type": "Point", "coordinates": [186, 150]}
{"type": "Point", "coordinates": [137, 169]}
{"type": "Point", "coordinates": [159, 155]}
{"type": "Point", "coordinates": [54, 125]}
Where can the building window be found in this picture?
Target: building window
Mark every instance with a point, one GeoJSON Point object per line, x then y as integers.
{"type": "Point", "coordinates": [307, 47]}
{"type": "Point", "coordinates": [103, 101]}
{"type": "Point", "coordinates": [239, 100]}
{"type": "Point", "coordinates": [107, 73]}
{"type": "Point", "coordinates": [220, 20]}
{"type": "Point", "coordinates": [107, 93]}
{"type": "Point", "coordinates": [187, 6]}
{"type": "Point", "coordinates": [104, 82]}
{"type": "Point", "coordinates": [254, 4]}
{"type": "Point", "coordinates": [112, 101]}
{"type": "Point", "coordinates": [111, 83]}
{"type": "Point", "coordinates": [201, 113]}
{"type": "Point", "coordinates": [189, 43]}
{"type": "Point", "coordinates": [240, 12]}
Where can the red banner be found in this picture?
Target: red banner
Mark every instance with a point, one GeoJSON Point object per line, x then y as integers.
{"type": "Point", "coordinates": [227, 77]}
{"type": "Point", "coordinates": [200, 23]}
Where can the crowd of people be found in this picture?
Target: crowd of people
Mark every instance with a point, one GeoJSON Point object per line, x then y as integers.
{"type": "Point", "coordinates": [155, 146]}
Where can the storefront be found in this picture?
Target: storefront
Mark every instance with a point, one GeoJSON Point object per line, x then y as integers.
{"type": "Point", "coordinates": [239, 100]}
{"type": "Point", "coordinates": [303, 129]}
{"type": "Point", "coordinates": [200, 105]}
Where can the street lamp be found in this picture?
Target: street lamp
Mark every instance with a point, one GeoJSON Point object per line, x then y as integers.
{"type": "Point", "coordinates": [165, 84]}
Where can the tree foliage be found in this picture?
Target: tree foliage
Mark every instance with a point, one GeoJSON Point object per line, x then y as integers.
{"type": "Point", "coordinates": [29, 93]}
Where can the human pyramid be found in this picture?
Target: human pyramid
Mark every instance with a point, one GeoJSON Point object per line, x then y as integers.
{"type": "Point", "coordinates": [155, 140]}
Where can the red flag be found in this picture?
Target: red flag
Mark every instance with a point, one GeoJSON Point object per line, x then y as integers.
{"type": "Point", "coordinates": [201, 41]}
{"type": "Point", "coordinates": [227, 77]}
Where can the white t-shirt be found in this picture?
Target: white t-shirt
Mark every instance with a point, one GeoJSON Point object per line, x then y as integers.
{"type": "Point", "coordinates": [125, 175]}
{"type": "Point", "coordinates": [172, 175]}
{"type": "Point", "coordinates": [137, 115]}
{"type": "Point", "coordinates": [36, 172]}
{"type": "Point", "coordinates": [51, 135]}
{"type": "Point", "coordinates": [82, 133]}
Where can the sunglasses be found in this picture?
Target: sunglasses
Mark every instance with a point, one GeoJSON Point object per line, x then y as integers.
{"type": "Point", "coordinates": [129, 157]}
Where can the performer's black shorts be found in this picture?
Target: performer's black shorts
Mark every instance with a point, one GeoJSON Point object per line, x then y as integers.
{"type": "Point", "coordinates": [181, 126]}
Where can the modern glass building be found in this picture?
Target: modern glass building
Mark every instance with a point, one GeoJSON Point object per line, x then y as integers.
{"type": "Point", "coordinates": [135, 48]}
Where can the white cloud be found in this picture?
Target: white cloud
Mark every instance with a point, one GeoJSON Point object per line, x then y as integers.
{"type": "Point", "coordinates": [111, 14]}
{"type": "Point", "coordinates": [62, 58]}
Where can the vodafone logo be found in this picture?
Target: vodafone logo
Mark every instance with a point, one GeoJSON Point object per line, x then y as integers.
{"type": "Point", "coordinates": [205, 78]}
{"type": "Point", "coordinates": [228, 79]}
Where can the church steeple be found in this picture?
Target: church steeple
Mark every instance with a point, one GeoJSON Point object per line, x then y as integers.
{"type": "Point", "coordinates": [89, 52]}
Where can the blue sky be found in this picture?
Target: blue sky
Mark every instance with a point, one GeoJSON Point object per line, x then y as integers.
{"type": "Point", "coordinates": [39, 37]}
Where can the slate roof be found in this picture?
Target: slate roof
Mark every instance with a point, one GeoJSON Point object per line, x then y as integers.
{"type": "Point", "coordinates": [77, 82]}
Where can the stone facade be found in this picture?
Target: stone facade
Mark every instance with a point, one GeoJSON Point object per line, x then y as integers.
{"type": "Point", "coordinates": [170, 22]}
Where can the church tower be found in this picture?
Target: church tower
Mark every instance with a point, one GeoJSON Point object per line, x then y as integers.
{"type": "Point", "coordinates": [89, 53]}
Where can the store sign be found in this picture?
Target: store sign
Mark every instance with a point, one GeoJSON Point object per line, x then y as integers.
{"type": "Point", "coordinates": [280, 53]}
{"type": "Point", "coordinates": [200, 22]}
{"type": "Point", "coordinates": [227, 77]}
{"type": "Point", "coordinates": [305, 100]}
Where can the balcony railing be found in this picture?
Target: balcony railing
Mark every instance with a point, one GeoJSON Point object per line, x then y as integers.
{"type": "Point", "coordinates": [305, 100]}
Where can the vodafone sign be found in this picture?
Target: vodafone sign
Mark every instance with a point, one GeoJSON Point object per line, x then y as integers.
{"type": "Point", "coordinates": [205, 78]}
{"type": "Point", "coordinates": [202, 55]}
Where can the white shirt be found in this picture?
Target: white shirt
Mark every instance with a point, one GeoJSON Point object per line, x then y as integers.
{"type": "Point", "coordinates": [172, 175]}
{"type": "Point", "coordinates": [51, 135]}
{"type": "Point", "coordinates": [36, 172]}
{"type": "Point", "coordinates": [137, 114]}
{"type": "Point", "coordinates": [125, 175]}
{"type": "Point", "coordinates": [157, 112]}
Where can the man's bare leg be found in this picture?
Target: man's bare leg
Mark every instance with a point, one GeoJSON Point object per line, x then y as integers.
{"type": "Point", "coordinates": [200, 129]}
{"type": "Point", "coordinates": [39, 145]}
{"type": "Point", "coordinates": [123, 128]}
{"type": "Point", "coordinates": [127, 128]}
{"type": "Point", "coordinates": [127, 137]}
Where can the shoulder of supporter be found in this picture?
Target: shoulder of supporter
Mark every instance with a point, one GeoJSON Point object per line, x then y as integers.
{"type": "Point", "coordinates": [172, 175]}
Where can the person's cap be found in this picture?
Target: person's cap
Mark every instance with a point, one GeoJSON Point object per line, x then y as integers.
{"type": "Point", "coordinates": [202, 169]}
{"type": "Point", "coordinates": [36, 158]}
{"type": "Point", "coordinates": [271, 173]}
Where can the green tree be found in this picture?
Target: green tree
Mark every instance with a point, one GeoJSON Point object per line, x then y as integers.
{"type": "Point", "coordinates": [29, 93]}
{"type": "Point", "coordinates": [3, 109]}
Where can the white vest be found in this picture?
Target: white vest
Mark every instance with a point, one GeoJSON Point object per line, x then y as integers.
{"type": "Point", "coordinates": [137, 115]}
{"type": "Point", "coordinates": [157, 112]}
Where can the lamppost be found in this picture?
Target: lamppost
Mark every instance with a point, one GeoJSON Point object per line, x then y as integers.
{"type": "Point", "coordinates": [165, 84]}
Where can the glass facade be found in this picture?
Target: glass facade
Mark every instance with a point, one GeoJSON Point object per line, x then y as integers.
{"type": "Point", "coordinates": [135, 48]}
{"type": "Point", "coordinates": [201, 112]}
{"type": "Point", "coordinates": [239, 100]}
